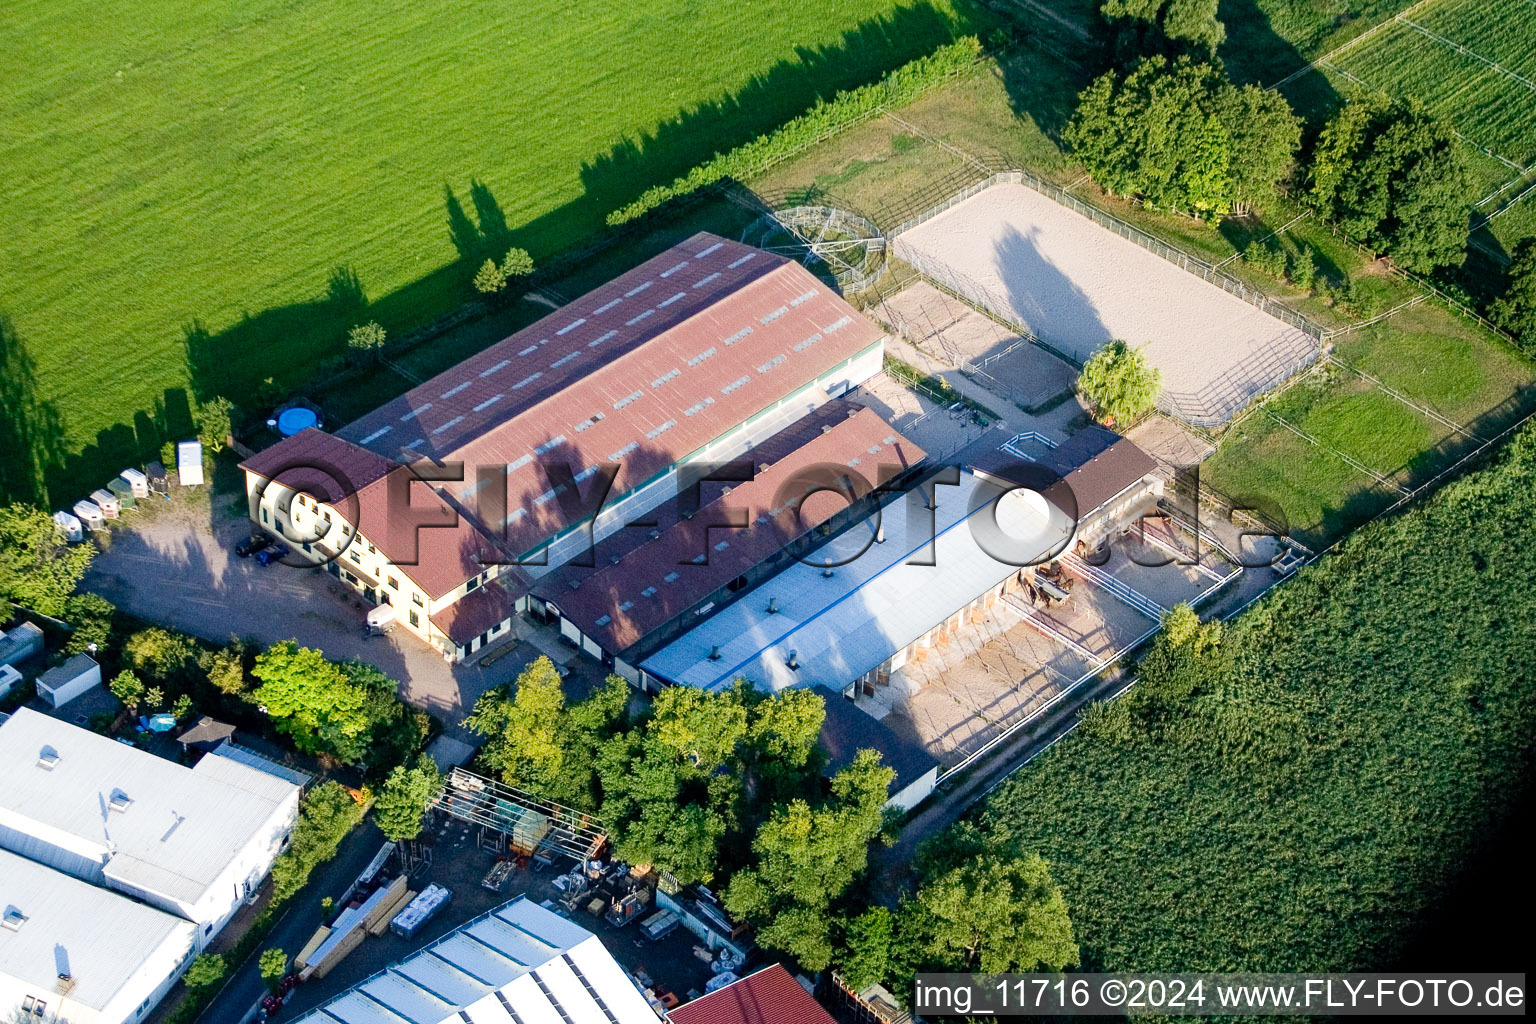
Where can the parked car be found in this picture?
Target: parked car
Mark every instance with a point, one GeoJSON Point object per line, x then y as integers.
{"type": "Point", "coordinates": [252, 544]}
{"type": "Point", "coordinates": [273, 553]}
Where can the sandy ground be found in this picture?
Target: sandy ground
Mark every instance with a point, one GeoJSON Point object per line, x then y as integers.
{"type": "Point", "coordinates": [1077, 285]}
{"type": "Point", "coordinates": [1001, 360]}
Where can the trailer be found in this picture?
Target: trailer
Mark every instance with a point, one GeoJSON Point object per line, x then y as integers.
{"type": "Point", "coordinates": [137, 480]}
{"type": "Point", "coordinates": [20, 643]}
{"type": "Point", "coordinates": [159, 481]}
{"type": "Point", "coordinates": [89, 513]}
{"type": "Point", "coordinates": [107, 502]}
{"type": "Point", "coordinates": [122, 490]}
{"type": "Point", "coordinates": [69, 527]}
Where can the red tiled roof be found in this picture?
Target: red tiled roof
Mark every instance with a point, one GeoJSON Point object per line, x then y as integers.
{"type": "Point", "coordinates": [770, 996]}
{"type": "Point", "coordinates": [357, 483]}
{"type": "Point", "coordinates": [474, 613]}
{"type": "Point", "coordinates": [641, 372]}
{"type": "Point", "coordinates": [654, 581]}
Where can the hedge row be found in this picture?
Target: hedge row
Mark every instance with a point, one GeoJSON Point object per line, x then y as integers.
{"type": "Point", "coordinates": [897, 88]}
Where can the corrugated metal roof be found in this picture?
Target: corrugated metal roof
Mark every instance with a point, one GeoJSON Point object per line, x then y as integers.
{"type": "Point", "coordinates": [885, 596]}
{"type": "Point", "coordinates": [636, 587]}
{"type": "Point", "coordinates": [519, 958]}
{"type": "Point", "coordinates": [652, 366]}
{"type": "Point", "coordinates": [102, 939]}
{"type": "Point", "coordinates": [770, 996]}
{"type": "Point", "coordinates": [148, 822]}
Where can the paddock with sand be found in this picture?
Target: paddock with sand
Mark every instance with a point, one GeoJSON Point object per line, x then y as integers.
{"type": "Point", "coordinates": [1076, 285]}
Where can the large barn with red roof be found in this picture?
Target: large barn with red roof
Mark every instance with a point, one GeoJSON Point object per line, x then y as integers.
{"type": "Point", "coordinates": [694, 357]}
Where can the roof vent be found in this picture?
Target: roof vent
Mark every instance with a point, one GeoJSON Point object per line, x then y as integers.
{"type": "Point", "coordinates": [120, 801]}
{"type": "Point", "coordinates": [793, 661]}
{"type": "Point", "coordinates": [615, 558]}
{"type": "Point", "coordinates": [573, 584]}
{"type": "Point", "coordinates": [655, 535]}
{"type": "Point", "coordinates": [762, 467]}
{"type": "Point", "coordinates": [66, 983]}
{"type": "Point", "coordinates": [47, 758]}
{"type": "Point", "coordinates": [13, 919]}
{"type": "Point", "coordinates": [826, 572]}
{"type": "Point", "coordinates": [714, 652]}
{"type": "Point", "coordinates": [826, 428]}
{"type": "Point", "coordinates": [880, 534]}
{"type": "Point", "coordinates": [773, 606]}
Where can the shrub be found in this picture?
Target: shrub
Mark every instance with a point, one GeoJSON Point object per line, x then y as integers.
{"type": "Point", "coordinates": [206, 971]}
{"type": "Point", "coordinates": [368, 337]}
{"type": "Point", "coordinates": [489, 279]}
{"type": "Point", "coordinates": [1303, 269]}
{"type": "Point", "coordinates": [899, 86]}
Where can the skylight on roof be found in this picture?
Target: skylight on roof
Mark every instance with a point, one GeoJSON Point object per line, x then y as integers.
{"type": "Point", "coordinates": [733, 385]}
{"type": "Point", "coordinates": [589, 421]}
{"type": "Point", "coordinates": [696, 360]}
{"type": "Point", "coordinates": [549, 495]}
{"type": "Point", "coordinates": [770, 364]}
{"type": "Point", "coordinates": [550, 445]}
{"type": "Point", "coordinates": [674, 269]}
{"type": "Point", "coordinates": [636, 319]}
{"type": "Point", "coordinates": [626, 606]}
{"type": "Point", "coordinates": [670, 374]}
{"type": "Point", "coordinates": [648, 592]}
{"type": "Point", "coordinates": [669, 300]}
{"type": "Point", "coordinates": [601, 338]}
{"type": "Point", "coordinates": [568, 328]}
{"type": "Point", "coordinates": [564, 359]}
{"type": "Point", "coordinates": [803, 298]}
{"type": "Point", "coordinates": [807, 343]}
{"type": "Point", "coordinates": [604, 620]}
{"type": "Point", "coordinates": [616, 456]}
{"type": "Point", "coordinates": [415, 412]}
{"type": "Point", "coordinates": [838, 324]}
{"type": "Point", "coordinates": [621, 403]}
{"type": "Point", "coordinates": [738, 261]}
{"type": "Point", "coordinates": [527, 380]}
{"type": "Point", "coordinates": [499, 366]}
{"type": "Point", "coordinates": [519, 463]}
{"type": "Point", "coordinates": [451, 423]}
{"type": "Point", "coordinates": [658, 431]}
{"type": "Point", "coordinates": [638, 289]}
{"type": "Point", "coordinates": [584, 474]}
{"type": "Point", "coordinates": [375, 435]}
{"type": "Point", "coordinates": [701, 282]}
{"type": "Point", "coordinates": [455, 390]}
{"type": "Point", "coordinates": [733, 339]}
{"type": "Point", "coordinates": [771, 317]}
{"type": "Point", "coordinates": [529, 349]}
{"type": "Point", "coordinates": [488, 403]}
{"type": "Point", "coordinates": [605, 307]}
{"type": "Point", "coordinates": [706, 252]}
{"type": "Point", "coordinates": [672, 577]}
{"type": "Point", "coordinates": [699, 407]}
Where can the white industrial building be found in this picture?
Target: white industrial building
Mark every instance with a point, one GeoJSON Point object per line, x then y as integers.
{"type": "Point", "coordinates": [517, 964]}
{"type": "Point", "coordinates": [187, 844]}
{"type": "Point", "coordinates": [71, 951]}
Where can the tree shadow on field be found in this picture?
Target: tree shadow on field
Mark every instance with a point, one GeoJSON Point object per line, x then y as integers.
{"type": "Point", "coordinates": [1049, 302]}
{"type": "Point", "coordinates": [31, 431]}
{"type": "Point", "coordinates": [291, 342]}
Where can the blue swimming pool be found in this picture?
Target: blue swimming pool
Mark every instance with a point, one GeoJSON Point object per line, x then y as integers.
{"type": "Point", "coordinates": [291, 421]}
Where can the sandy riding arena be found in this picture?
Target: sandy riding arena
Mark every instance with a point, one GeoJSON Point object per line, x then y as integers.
{"type": "Point", "coordinates": [1076, 285]}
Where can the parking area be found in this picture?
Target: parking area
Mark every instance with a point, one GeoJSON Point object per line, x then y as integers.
{"type": "Point", "coordinates": [1012, 659]}
{"type": "Point", "coordinates": [454, 856]}
{"type": "Point", "coordinates": [174, 563]}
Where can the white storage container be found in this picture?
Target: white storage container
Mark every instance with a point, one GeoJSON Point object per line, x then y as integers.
{"type": "Point", "coordinates": [189, 462]}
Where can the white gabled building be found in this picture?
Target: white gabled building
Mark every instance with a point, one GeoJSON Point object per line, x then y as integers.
{"type": "Point", "coordinates": [517, 963]}
{"type": "Point", "coordinates": [71, 951]}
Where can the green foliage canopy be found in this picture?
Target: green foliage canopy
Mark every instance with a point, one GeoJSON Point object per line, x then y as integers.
{"type": "Point", "coordinates": [1119, 383]}
{"type": "Point", "coordinates": [37, 570]}
{"type": "Point", "coordinates": [403, 800]}
{"type": "Point", "coordinates": [1396, 179]}
{"type": "Point", "coordinates": [1515, 309]}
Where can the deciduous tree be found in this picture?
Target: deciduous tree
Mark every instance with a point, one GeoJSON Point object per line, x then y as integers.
{"type": "Point", "coordinates": [128, 688]}
{"type": "Point", "coordinates": [1119, 382]}
{"type": "Point", "coordinates": [37, 570]}
{"type": "Point", "coordinates": [489, 279]}
{"type": "Point", "coordinates": [403, 800]}
{"type": "Point", "coordinates": [1396, 179]}
{"type": "Point", "coordinates": [1515, 309]}
{"type": "Point", "coordinates": [998, 913]}
{"type": "Point", "coordinates": [309, 698]}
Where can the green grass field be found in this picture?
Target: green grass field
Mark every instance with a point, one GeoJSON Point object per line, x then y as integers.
{"type": "Point", "coordinates": [201, 171]}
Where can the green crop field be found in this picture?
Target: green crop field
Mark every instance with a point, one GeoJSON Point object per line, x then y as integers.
{"type": "Point", "coordinates": [183, 182]}
{"type": "Point", "coordinates": [1473, 63]}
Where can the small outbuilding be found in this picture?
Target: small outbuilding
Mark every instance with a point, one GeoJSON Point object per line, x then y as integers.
{"type": "Point", "coordinates": [159, 482]}
{"type": "Point", "coordinates": [205, 734]}
{"type": "Point", "coordinates": [189, 463]}
{"type": "Point", "coordinates": [63, 683]}
{"type": "Point", "coordinates": [107, 502]}
{"type": "Point", "coordinates": [122, 490]}
{"type": "Point", "coordinates": [848, 730]}
{"type": "Point", "coordinates": [137, 480]}
{"type": "Point", "coordinates": [20, 643]}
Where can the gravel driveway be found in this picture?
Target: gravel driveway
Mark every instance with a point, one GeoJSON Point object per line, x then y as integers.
{"type": "Point", "coordinates": [175, 564]}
